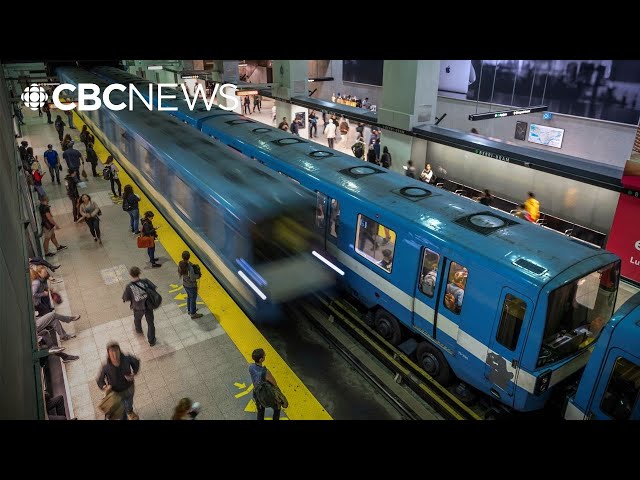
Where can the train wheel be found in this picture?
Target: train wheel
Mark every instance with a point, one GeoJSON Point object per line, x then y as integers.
{"type": "Point", "coordinates": [388, 327]}
{"type": "Point", "coordinates": [433, 362]}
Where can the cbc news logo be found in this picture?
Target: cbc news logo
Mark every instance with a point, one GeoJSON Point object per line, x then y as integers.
{"type": "Point", "coordinates": [34, 96]}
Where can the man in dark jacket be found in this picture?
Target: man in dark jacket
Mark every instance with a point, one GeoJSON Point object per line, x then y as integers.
{"type": "Point", "coordinates": [117, 376]}
{"type": "Point", "coordinates": [135, 293]}
{"type": "Point", "coordinates": [92, 158]}
{"type": "Point", "coordinates": [73, 158]}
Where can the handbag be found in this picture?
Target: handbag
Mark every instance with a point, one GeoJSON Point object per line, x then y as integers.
{"type": "Point", "coordinates": [146, 241]}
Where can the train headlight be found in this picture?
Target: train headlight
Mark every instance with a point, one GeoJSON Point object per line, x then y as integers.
{"type": "Point", "coordinates": [542, 382]}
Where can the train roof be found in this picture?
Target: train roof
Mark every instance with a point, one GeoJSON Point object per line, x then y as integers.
{"type": "Point", "coordinates": [224, 174]}
{"type": "Point", "coordinates": [501, 238]}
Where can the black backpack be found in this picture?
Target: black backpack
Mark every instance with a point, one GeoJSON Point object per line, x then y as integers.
{"type": "Point", "coordinates": [106, 173]}
{"type": "Point", "coordinates": [126, 206]}
{"type": "Point", "coordinates": [269, 395]}
{"type": "Point", "coordinates": [196, 270]}
{"type": "Point", "coordinates": [358, 150]}
{"type": "Point", "coordinates": [154, 299]}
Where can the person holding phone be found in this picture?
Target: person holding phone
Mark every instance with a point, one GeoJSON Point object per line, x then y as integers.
{"type": "Point", "coordinates": [148, 230]}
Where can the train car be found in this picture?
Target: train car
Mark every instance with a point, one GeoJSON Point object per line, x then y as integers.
{"type": "Point", "coordinates": [506, 306]}
{"type": "Point", "coordinates": [610, 385]}
{"type": "Point", "coordinates": [257, 241]}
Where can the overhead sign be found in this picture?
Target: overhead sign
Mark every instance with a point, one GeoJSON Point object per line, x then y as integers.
{"type": "Point", "coordinates": [506, 113]}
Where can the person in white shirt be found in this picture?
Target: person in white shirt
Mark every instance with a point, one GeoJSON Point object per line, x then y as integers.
{"type": "Point", "coordinates": [330, 132]}
{"type": "Point", "coordinates": [427, 174]}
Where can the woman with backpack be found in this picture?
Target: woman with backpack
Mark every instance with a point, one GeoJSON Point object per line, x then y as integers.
{"type": "Point", "coordinates": [111, 173]}
{"type": "Point", "coordinates": [189, 274]}
{"type": "Point", "coordinates": [89, 211]}
{"type": "Point", "coordinates": [66, 142]}
{"type": "Point", "coordinates": [130, 205]}
{"type": "Point", "coordinates": [148, 230]}
{"type": "Point", "coordinates": [59, 126]}
{"type": "Point", "coordinates": [385, 159]}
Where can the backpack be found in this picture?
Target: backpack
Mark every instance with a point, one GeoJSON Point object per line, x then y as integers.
{"type": "Point", "coordinates": [106, 173]}
{"type": "Point", "coordinates": [268, 395]}
{"type": "Point", "coordinates": [125, 205]}
{"type": "Point", "coordinates": [386, 160]}
{"type": "Point", "coordinates": [154, 299]}
{"type": "Point", "coordinates": [197, 272]}
{"type": "Point", "coordinates": [358, 150]}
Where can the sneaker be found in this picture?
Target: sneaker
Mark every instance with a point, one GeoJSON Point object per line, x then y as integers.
{"type": "Point", "coordinates": [196, 315]}
{"type": "Point", "coordinates": [139, 332]}
{"type": "Point", "coordinates": [54, 280]}
{"type": "Point", "coordinates": [133, 416]}
{"type": "Point", "coordinates": [62, 247]}
{"type": "Point", "coordinates": [156, 259]}
{"type": "Point", "coordinates": [151, 344]}
{"type": "Point", "coordinates": [55, 267]}
{"type": "Point", "coordinates": [76, 318]}
{"type": "Point", "coordinates": [155, 265]}
{"type": "Point", "coordinates": [95, 239]}
{"type": "Point", "coordinates": [68, 336]}
{"type": "Point", "coordinates": [70, 358]}
{"type": "Point", "coordinates": [53, 350]}
{"type": "Point", "coordinates": [49, 254]}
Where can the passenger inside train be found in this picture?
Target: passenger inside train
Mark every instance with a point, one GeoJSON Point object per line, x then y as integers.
{"type": "Point", "coordinates": [334, 218]}
{"type": "Point", "coordinates": [370, 241]}
{"type": "Point", "coordinates": [455, 287]}
{"type": "Point", "coordinates": [429, 272]}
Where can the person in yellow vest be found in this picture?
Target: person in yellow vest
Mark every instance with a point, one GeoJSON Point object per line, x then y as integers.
{"type": "Point", "coordinates": [533, 207]}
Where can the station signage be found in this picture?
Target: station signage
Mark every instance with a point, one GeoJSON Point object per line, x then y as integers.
{"type": "Point", "coordinates": [506, 113]}
{"type": "Point", "coordinates": [484, 153]}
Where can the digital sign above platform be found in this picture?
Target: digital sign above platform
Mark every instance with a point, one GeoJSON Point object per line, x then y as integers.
{"type": "Point", "coordinates": [506, 113]}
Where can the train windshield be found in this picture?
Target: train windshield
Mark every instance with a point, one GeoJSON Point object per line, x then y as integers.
{"type": "Point", "coordinates": [578, 312]}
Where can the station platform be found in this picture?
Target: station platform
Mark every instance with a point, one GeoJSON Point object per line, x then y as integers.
{"type": "Point", "coordinates": [205, 359]}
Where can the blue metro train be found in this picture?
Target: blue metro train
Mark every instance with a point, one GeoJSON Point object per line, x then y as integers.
{"type": "Point", "coordinates": [509, 308]}
{"type": "Point", "coordinates": [258, 241]}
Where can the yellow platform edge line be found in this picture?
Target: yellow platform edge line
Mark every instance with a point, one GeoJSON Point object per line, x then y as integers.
{"type": "Point", "coordinates": [240, 329]}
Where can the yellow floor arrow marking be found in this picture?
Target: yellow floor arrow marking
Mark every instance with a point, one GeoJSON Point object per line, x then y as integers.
{"type": "Point", "coordinates": [240, 385]}
{"type": "Point", "coordinates": [180, 296]}
{"type": "Point", "coordinates": [246, 392]}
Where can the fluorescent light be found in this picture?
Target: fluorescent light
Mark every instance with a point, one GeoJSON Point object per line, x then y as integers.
{"type": "Point", "coordinates": [327, 262]}
{"type": "Point", "coordinates": [242, 64]}
{"type": "Point", "coordinates": [252, 285]}
{"type": "Point", "coordinates": [311, 80]}
{"type": "Point", "coordinates": [154, 67]}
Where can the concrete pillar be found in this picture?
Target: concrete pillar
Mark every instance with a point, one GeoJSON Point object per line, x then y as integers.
{"type": "Point", "coordinates": [290, 79]}
{"type": "Point", "coordinates": [409, 97]}
{"type": "Point", "coordinates": [226, 71]}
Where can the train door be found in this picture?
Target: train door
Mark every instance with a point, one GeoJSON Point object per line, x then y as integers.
{"type": "Point", "coordinates": [426, 292]}
{"type": "Point", "coordinates": [617, 393]}
{"type": "Point", "coordinates": [322, 207]}
{"type": "Point", "coordinates": [504, 352]}
{"type": "Point", "coordinates": [452, 285]}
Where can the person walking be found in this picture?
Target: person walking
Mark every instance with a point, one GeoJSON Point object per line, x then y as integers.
{"type": "Point", "coordinates": [49, 226]}
{"type": "Point", "coordinates": [313, 124]}
{"type": "Point", "coordinates": [148, 230]}
{"type": "Point", "coordinates": [113, 176]}
{"type": "Point", "coordinates": [71, 181]}
{"type": "Point", "coordinates": [257, 102]}
{"type": "Point", "coordinates": [53, 161]}
{"type": "Point", "coordinates": [117, 376]}
{"type": "Point", "coordinates": [247, 105]}
{"type": "Point", "coordinates": [90, 211]}
{"type": "Point", "coordinates": [189, 277]}
{"type": "Point", "coordinates": [186, 410]}
{"type": "Point", "coordinates": [130, 204]}
{"type": "Point", "coordinates": [533, 207]}
{"type": "Point", "coordinates": [47, 109]}
{"type": "Point", "coordinates": [135, 294]}
{"type": "Point", "coordinates": [73, 157]}
{"type": "Point", "coordinates": [85, 136]}
{"type": "Point", "coordinates": [59, 126]}
{"type": "Point", "coordinates": [259, 374]}
{"type": "Point", "coordinates": [330, 132]}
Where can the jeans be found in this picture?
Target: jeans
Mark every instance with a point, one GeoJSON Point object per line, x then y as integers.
{"type": "Point", "coordinates": [151, 251]}
{"type": "Point", "coordinates": [55, 173]}
{"type": "Point", "coordinates": [117, 182]}
{"type": "Point", "coordinates": [41, 261]}
{"type": "Point", "coordinates": [76, 211]}
{"type": "Point", "coordinates": [127, 400]}
{"type": "Point", "coordinates": [52, 319]}
{"type": "Point", "coordinates": [49, 117]}
{"type": "Point", "coordinates": [313, 127]}
{"type": "Point", "coordinates": [70, 117]}
{"type": "Point", "coordinates": [330, 141]}
{"type": "Point", "coordinates": [94, 226]}
{"type": "Point", "coordinates": [93, 169]}
{"type": "Point", "coordinates": [137, 323]}
{"type": "Point", "coordinates": [192, 294]}
{"type": "Point", "coordinates": [261, 409]}
{"type": "Point", "coordinates": [55, 408]}
{"type": "Point", "coordinates": [40, 190]}
{"type": "Point", "coordinates": [134, 215]}
{"type": "Point", "coordinates": [61, 133]}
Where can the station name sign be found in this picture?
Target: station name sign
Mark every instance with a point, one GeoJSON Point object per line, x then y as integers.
{"type": "Point", "coordinates": [506, 113]}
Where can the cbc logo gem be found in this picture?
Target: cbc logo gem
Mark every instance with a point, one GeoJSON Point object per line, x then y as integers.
{"type": "Point", "coordinates": [638, 245]}
{"type": "Point", "coordinates": [34, 97]}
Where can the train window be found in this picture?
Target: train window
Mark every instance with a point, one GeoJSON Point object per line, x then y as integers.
{"type": "Point", "coordinates": [622, 392]}
{"type": "Point", "coordinates": [321, 207]}
{"type": "Point", "coordinates": [511, 320]}
{"type": "Point", "coordinates": [181, 196]}
{"type": "Point", "coordinates": [375, 242]}
{"type": "Point", "coordinates": [334, 218]}
{"type": "Point", "coordinates": [429, 273]}
{"type": "Point", "coordinates": [456, 285]}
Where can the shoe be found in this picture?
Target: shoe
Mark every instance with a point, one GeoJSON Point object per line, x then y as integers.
{"type": "Point", "coordinates": [68, 336]}
{"type": "Point", "coordinates": [76, 318]}
{"type": "Point", "coordinates": [55, 267]}
{"type": "Point", "coordinates": [62, 247]}
{"type": "Point", "coordinates": [70, 358]}
{"type": "Point", "coordinates": [54, 280]}
{"type": "Point", "coordinates": [151, 344]}
{"type": "Point", "coordinates": [155, 265]}
{"type": "Point", "coordinates": [53, 350]}
{"type": "Point", "coordinates": [156, 259]}
{"type": "Point", "coordinates": [133, 416]}
{"type": "Point", "coordinates": [95, 239]}
{"type": "Point", "coordinates": [49, 254]}
{"type": "Point", "coordinates": [139, 332]}
{"type": "Point", "coordinates": [196, 315]}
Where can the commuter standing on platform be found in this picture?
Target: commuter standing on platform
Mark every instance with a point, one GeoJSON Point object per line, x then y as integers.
{"type": "Point", "coordinates": [73, 157]}
{"type": "Point", "coordinates": [189, 278]}
{"type": "Point", "coordinates": [49, 225]}
{"type": "Point", "coordinates": [92, 158]}
{"type": "Point", "coordinates": [533, 207]}
{"type": "Point", "coordinates": [386, 160]}
{"type": "Point", "coordinates": [69, 114]}
{"type": "Point", "coordinates": [135, 294]}
{"type": "Point", "coordinates": [259, 374]}
{"type": "Point", "coordinates": [376, 148]}
{"type": "Point", "coordinates": [130, 203]}
{"type": "Point", "coordinates": [148, 230]}
{"type": "Point", "coordinates": [295, 126]}
{"type": "Point", "coordinates": [89, 210]}
{"type": "Point", "coordinates": [330, 132]}
{"type": "Point", "coordinates": [113, 176]}
{"type": "Point", "coordinates": [53, 162]}
{"type": "Point", "coordinates": [47, 109]}
{"type": "Point", "coordinates": [273, 114]}
{"type": "Point", "coordinates": [85, 136]}
{"type": "Point", "coordinates": [313, 125]}
{"type": "Point", "coordinates": [23, 155]}
{"type": "Point", "coordinates": [284, 125]}
{"type": "Point", "coordinates": [71, 182]}
{"type": "Point", "coordinates": [410, 169]}
{"type": "Point", "coordinates": [358, 148]}
{"type": "Point", "coordinates": [257, 102]}
{"type": "Point", "coordinates": [247, 105]}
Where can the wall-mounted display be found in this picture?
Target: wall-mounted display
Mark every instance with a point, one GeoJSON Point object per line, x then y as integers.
{"type": "Point", "coordinates": [543, 135]}
{"type": "Point", "coordinates": [521, 130]}
{"type": "Point", "coordinates": [368, 72]}
{"type": "Point", "coordinates": [601, 89]}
